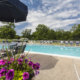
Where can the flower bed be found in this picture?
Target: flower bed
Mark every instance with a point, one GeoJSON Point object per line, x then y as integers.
{"type": "Point", "coordinates": [19, 68]}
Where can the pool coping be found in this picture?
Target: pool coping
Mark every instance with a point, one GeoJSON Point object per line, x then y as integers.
{"type": "Point", "coordinates": [64, 56]}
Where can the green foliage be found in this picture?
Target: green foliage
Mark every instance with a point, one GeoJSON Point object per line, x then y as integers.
{"type": "Point", "coordinates": [7, 31]}
{"type": "Point", "coordinates": [41, 32]}
{"type": "Point", "coordinates": [51, 35]}
{"type": "Point", "coordinates": [76, 33]}
{"type": "Point", "coordinates": [19, 76]}
{"type": "Point", "coordinates": [44, 33]}
{"type": "Point", "coordinates": [59, 34]}
{"type": "Point", "coordinates": [67, 35]}
{"type": "Point", "coordinates": [2, 78]}
{"type": "Point", "coordinates": [17, 37]}
{"type": "Point", "coordinates": [26, 33]}
{"type": "Point", "coordinates": [74, 27]}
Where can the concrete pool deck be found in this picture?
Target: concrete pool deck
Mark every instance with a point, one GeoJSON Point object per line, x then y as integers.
{"type": "Point", "coordinates": [57, 68]}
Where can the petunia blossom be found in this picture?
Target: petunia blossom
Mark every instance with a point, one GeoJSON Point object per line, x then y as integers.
{"type": "Point", "coordinates": [25, 75]}
{"type": "Point", "coordinates": [3, 72]}
{"type": "Point", "coordinates": [30, 63]}
{"type": "Point", "coordinates": [26, 60]}
{"type": "Point", "coordinates": [20, 61]}
{"type": "Point", "coordinates": [10, 74]}
{"type": "Point", "coordinates": [36, 66]}
{"type": "Point", "coordinates": [2, 62]}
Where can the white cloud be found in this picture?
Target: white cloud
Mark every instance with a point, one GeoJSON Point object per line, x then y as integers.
{"type": "Point", "coordinates": [31, 1]}
{"type": "Point", "coordinates": [51, 13]}
{"type": "Point", "coordinates": [57, 4]}
{"type": "Point", "coordinates": [67, 14]}
{"type": "Point", "coordinates": [52, 20]}
{"type": "Point", "coordinates": [19, 23]}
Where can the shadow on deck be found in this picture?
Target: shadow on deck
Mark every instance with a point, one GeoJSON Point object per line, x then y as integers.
{"type": "Point", "coordinates": [46, 62]}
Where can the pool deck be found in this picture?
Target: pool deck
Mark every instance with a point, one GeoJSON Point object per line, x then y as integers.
{"type": "Point", "coordinates": [56, 68]}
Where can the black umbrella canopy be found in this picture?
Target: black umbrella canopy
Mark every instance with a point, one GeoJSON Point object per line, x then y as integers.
{"type": "Point", "coordinates": [12, 10]}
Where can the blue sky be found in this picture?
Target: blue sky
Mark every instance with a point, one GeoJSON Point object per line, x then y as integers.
{"type": "Point", "coordinates": [53, 13]}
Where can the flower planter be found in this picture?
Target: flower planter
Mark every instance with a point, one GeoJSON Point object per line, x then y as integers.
{"type": "Point", "coordinates": [19, 68]}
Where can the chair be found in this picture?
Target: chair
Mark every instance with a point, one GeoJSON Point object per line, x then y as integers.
{"type": "Point", "coordinates": [5, 51]}
{"type": "Point", "coordinates": [77, 43]}
{"type": "Point", "coordinates": [13, 49]}
{"type": "Point", "coordinates": [71, 42]}
{"type": "Point", "coordinates": [66, 42]}
{"type": "Point", "coordinates": [61, 42]}
{"type": "Point", "coordinates": [19, 49]}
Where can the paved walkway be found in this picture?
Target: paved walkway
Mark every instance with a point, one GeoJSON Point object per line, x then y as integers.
{"type": "Point", "coordinates": [57, 68]}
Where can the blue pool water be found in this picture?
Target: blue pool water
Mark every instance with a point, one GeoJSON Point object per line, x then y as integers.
{"type": "Point", "coordinates": [50, 49]}
{"type": "Point", "coordinates": [5, 46]}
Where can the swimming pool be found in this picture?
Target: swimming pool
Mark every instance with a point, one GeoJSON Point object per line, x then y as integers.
{"type": "Point", "coordinates": [5, 46]}
{"type": "Point", "coordinates": [51, 49]}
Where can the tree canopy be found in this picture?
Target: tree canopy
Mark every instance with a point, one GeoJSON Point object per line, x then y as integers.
{"type": "Point", "coordinates": [43, 32]}
{"type": "Point", "coordinates": [26, 33]}
{"type": "Point", "coordinates": [7, 31]}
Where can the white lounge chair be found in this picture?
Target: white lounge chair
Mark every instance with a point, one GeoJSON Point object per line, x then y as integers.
{"type": "Point", "coordinates": [61, 42]}
{"type": "Point", "coordinates": [66, 42]}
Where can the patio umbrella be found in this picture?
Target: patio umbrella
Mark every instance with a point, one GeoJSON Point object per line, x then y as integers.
{"type": "Point", "coordinates": [12, 11]}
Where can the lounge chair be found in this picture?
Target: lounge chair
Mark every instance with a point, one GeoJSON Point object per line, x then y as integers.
{"type": "Point", "coordinates": [12, 45]}
{"type": "Point", "coordinates": [51, 42]}
{"type": "Point", "coordinates": [4, 51]}
{"type": "Point", "coordinates": [66, 42]}
{"type": "Point", "coordinates": [71, 43]}
{"type": "Point", "coordinates": [13, 49]}
{"type": "Point", "coordinates": [19, 49]}
{"type": "Point", "coordinates": [77, 43]}
{"type": "Point", "coordinates": [48, 42]}
{"type": "Point", "coordinates": [61, 42]}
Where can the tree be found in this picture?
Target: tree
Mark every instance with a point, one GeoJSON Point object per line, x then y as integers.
{"type": "Point", "coordinates": [51, 35]}
{"type": "Point", "coordinates": [74, 27]}
{"type": "Point", "coordinates": [26, 33]}
{"type": "Point", "coordinates": [76, 33]}
{"type": "Point", "coordinates": [67, 35]}
{"type": "Point", "coordinates": [44, 33]}
{"type": "Point", "coordinates": [59, 34]}
{"type": "Point", "coordinates": [41, 32]}
{"type": "Point", "coordinates": [7, 31]}
{"type": "Point", "coordinates": [17, 37]}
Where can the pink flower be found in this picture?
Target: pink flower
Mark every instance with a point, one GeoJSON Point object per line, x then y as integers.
{"type": "Point", "coordinates": [10, 74]}
{"type": "Point", "coordinates": [12, 59]}
{"type": "Point", "coordinates": [30, 63]}
{"type": "Point", "coordinates": [36, 66]}
{"type": "Point", "coordinates": [9, 62]}
{"type": "Point", "coordinates": [25, 76]}
{"type": "Point", "coordinates": [26, 60]}
{"type": "Point", "coordinates": [36, 72]}
{"type": "Point", "coordinates": [20, 61]}
{"type": "Point", "coordinates": [3, 72]}
{"type": "Point", "coordinates": [2, 62]}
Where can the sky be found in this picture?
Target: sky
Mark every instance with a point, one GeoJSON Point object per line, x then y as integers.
{"type": "Point", "coordinates": [56, 14]}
